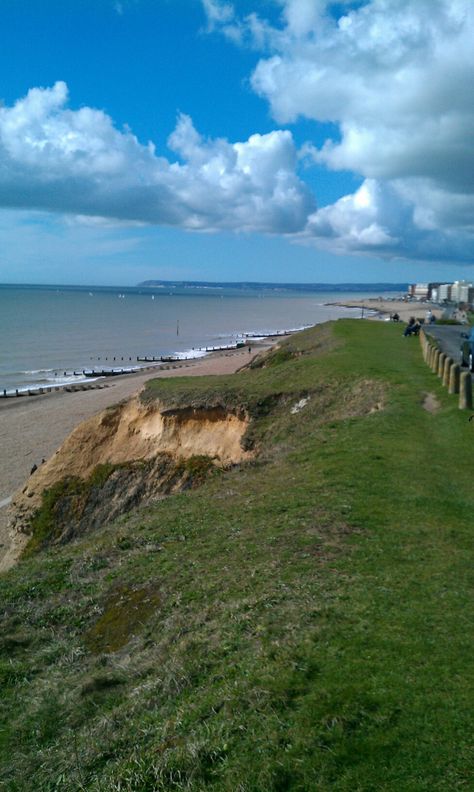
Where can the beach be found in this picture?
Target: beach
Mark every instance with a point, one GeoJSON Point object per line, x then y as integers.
{"type": "Point", "coordinates": [383, 308]}
{"type": "Point", "coordinates": [33, 427]}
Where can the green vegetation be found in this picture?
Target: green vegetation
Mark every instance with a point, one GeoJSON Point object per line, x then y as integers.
{"type": "Point", "coordinates": [65, 499]}
{"type": "Point", "coordinates": [300, 622]}
{"type": "Point", "coordinates": [74, 506]}
{"type": "Point", "coordinates": [123, 615]}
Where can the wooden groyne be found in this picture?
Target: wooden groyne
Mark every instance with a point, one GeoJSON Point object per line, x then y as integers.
{"type": "Point", "coordinates": [180, 358]}
{"type": "Point", "coordinates": [275, 333]}
{"type": "Point", "coordinates": [71, 388]}
{"type": "Point", "coordinates": [105, 372]}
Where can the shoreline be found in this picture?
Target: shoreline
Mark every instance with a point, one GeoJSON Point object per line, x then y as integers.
{"type": "Point", "coordinates": [33, 427]}
{"type": "Point", "coordinates": [92, 378]}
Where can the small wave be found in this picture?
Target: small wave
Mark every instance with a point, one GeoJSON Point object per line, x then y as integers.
{"type": "Point", "coordinates": [55, 385]}
{"type": "Point", "coordinates": [189, 354]}
{"type": "Point", "coordinates": [35, 372]}
{"type": "Point", "coordinates": [66, 379]}
{"type": "Point", "coordinates": [69, 379]}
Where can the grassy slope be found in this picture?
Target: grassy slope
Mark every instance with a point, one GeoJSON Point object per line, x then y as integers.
{"type": "Point", "coordinates": [300, 623]}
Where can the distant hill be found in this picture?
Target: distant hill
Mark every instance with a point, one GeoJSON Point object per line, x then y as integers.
{"type": "Point", "coordinates": [301, 287]}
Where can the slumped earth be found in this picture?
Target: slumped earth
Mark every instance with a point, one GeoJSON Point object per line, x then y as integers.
{"type": "Point", "coordinates": [297, 621]}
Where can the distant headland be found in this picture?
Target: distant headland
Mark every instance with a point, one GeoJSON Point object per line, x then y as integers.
{"type": "Point", "coordinates": [300, 287]}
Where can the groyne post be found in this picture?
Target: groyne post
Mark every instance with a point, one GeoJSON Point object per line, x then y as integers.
{"type": "Point", "coordinates": [454, 375]}
{"type": "Point", "coordinates": [465, 391]}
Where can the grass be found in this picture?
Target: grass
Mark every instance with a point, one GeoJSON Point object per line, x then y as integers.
{"type": "Point", "coordinates": [65, 499]}
{"type": "Point", "coordinates": [299, 622]}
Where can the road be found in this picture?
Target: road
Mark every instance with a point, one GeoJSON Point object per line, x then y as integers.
{"type": "Point", "coordinates": [449, 337]}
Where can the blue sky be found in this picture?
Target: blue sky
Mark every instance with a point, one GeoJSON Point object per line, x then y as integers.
{"type": "Point", "coordinates": [285, 140]}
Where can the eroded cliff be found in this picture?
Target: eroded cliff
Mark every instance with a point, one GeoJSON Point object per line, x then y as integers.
{"type": "Point", "coordinates": [127, 455]}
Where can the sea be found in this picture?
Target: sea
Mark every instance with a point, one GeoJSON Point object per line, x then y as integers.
{"type": "Point", "coordinates": [50, 335]}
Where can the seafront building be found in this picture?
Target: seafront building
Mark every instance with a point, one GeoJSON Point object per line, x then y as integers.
{"type": "Point", "coordinates": [422, 291]}
{"type": "Point", "coordinates": [458, 293]}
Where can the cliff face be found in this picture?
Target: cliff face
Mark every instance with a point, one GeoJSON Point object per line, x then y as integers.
{"type": "Point", "coordinates": [143, 451]}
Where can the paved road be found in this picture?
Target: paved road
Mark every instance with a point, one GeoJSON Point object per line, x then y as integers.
{"type": "Point", "coordinates": [449, 337]}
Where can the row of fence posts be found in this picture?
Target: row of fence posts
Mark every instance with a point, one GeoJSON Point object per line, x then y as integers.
{"type": "Point", "coordinates": [455, 380]}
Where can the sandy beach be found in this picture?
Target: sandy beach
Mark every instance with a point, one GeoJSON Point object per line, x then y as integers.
{"type": "Point", "coordinates": [384, 308]}
{"type": "Point", "coordinates": [33, 427]}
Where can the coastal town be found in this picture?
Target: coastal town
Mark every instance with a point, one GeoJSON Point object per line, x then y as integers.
{"type": "Point", "coordinates": [459, 294]}
{"type": "Point", "coordinates": [452, 301]}
{"type": "Point", "coordinates": [448, 301]}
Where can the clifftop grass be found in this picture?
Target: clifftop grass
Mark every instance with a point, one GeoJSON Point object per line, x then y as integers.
{"type": "Point", "coordinates": [300, 622]}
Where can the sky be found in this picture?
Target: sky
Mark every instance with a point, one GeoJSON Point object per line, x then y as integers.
{"type": "Point", "coordinates": [263, 140]}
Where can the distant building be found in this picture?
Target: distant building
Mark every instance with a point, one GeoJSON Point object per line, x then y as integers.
{"type": "Point", "coordinates": [457, 292]}
{"type": "Point", "coordinates": [444, 292]}
{"type": "Point", "coordinates": [418, 291]}
{"type": "Point", "coordinates": [422, 291]}
{"type": "Point", "coordinates": [462, 292]}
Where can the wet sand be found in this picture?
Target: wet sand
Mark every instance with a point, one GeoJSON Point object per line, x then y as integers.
{"type": "Point", "coordinates": [33, 427]}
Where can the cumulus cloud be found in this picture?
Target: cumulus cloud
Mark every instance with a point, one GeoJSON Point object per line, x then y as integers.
{"type": "Point", "coordinates": [394, 76]}
{"type": "Point", "coordinates": [382, 220]}
{"type": "Point", "coordinates": [75, 161]}
{"type": "Point", "coordinates": [397, 78]}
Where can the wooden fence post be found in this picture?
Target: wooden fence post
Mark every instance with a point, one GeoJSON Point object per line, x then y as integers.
{"type": "Point", "coordinates": [454, 374]}
{"type": "Point", "coordinates": [447, 368]}
{"type": "Point", "coordinates": [465, 391]}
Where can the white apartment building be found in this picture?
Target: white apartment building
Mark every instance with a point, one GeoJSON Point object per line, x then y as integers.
{"type": "Point", "coordinates": [462, 291]}
{"type": "Point", "coordinates": [457, 292]}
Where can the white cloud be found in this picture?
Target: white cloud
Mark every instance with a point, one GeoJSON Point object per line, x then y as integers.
{"type": "Point", "coordinates": [397, 78]}
{"type": "Point", "coordinates": [75, 161]}
{"type": "Point", "coordinates": [387, 220]}
{"type": "Point", "coordinates": [221, 16]}
{"type": "Point", "coordinates": [218, 13]}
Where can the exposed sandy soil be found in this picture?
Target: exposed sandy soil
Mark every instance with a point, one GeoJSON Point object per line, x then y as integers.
{"type": "Point", "coordinates": [132, 432]}
{"type": "Point", "coordinates": [32, 428]}
{"type": "Point", "coordinates": [431, 403]}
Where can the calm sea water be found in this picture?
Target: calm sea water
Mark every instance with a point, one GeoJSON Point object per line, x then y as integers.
{"type": "Point", "coordinates": [48, 333]}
